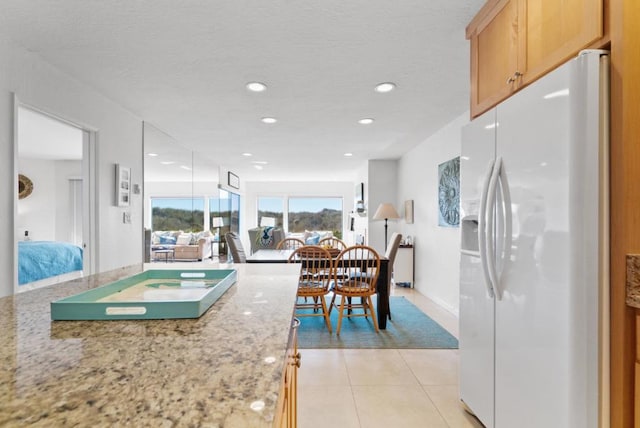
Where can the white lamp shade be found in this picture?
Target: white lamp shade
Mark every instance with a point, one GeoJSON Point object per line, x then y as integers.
{"type": "Point", "coordinates": [267, 222]}
{"type": "Point", "coordinates": [386, 211]}
{"type": "Point", "coordinates": [217, 222]}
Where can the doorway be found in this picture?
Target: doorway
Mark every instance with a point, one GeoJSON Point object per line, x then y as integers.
{"type": "Point", "coordinates": [55, 219]}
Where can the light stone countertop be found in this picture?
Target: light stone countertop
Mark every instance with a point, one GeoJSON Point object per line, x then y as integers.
{"type": "Point", "coordinates": [223, 369]}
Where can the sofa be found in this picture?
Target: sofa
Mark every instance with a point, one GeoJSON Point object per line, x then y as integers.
{"type": "Point", "coordinates": [311, 237]}
{"type": "Point", "coordinates": [186, 246]}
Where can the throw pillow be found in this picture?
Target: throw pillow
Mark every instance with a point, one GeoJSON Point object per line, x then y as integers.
{"type": "Point", "coordinates": [184, 239]}
{"type": "Point", "coordinates": [167, 240]}
{"type": "Point", "coordinates": [265, 237]}
{"type": "Point", "coordinates": [155, 238]}
{"type": "Point", "coordinates": [312, 240]}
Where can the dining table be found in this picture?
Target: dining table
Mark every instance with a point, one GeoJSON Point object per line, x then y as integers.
{"type": "Point", "coordinates": [382, 284]}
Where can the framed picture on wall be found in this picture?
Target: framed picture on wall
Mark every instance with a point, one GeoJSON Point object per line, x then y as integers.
{"type": "Point", "coordinates": [449, 193]}
{"type": "Point", "coordinates": [408, 211]}
{"type": "Point", "coordinates": [123, 185]}
{"type": "Point", "coordinates": [233, 180]}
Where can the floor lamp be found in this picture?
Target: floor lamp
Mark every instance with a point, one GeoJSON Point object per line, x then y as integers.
{"type": "Point", "coordinates": [385, 212]}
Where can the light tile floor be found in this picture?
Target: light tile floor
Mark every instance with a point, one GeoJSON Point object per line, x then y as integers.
{"type": "Point", "coordinates": [372, 388]}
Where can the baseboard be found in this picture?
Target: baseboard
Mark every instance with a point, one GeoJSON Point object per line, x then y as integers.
{"type": "Point", "coordinates": [444, 305]}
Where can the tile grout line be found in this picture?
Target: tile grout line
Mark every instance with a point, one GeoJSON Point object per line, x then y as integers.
{"type": "Point", "coordinates": [435, 405]}
{"type": "Point", "coordinates": [423, 387]}
{"type": "Point", "coordinates": [353, 396]}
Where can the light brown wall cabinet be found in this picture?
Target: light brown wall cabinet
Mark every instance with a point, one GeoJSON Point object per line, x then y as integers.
{"type": "Point", "coordinates": [287, 409]}
{"type": "Point", "coordinates": [514, 42]}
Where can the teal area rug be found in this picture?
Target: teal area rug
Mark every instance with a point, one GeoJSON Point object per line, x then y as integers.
{"type": "Point", "coordinates": [409, 328]}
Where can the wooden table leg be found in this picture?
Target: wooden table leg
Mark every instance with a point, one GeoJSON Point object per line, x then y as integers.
{"type": "Point", "coordinates": [383, 295]}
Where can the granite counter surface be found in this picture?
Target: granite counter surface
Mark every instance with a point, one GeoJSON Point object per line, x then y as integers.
{"type": "Point", "coordinates": [633, 280]}
{"type": "Point", "coordinates": [223, 369]}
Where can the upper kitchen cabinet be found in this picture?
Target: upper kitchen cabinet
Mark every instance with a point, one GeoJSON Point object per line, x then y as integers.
{"type": "Point", "coordinates": [514, 42]}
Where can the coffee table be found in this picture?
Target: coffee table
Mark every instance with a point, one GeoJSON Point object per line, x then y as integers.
{"type": "Point", "coordinates": [167, 252]}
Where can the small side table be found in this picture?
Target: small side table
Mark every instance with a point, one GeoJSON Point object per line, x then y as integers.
{"type": "Point", "coordinates": [168, 252]}
{"type": "Point", "coordinates": [403, 271]}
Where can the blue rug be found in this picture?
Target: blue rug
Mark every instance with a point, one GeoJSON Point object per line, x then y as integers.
{"type": "Point", "coordinates": [409, 328]}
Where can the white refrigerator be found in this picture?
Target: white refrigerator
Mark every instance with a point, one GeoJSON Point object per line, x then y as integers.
{"type": "Point", "coordinates": [534, 244]}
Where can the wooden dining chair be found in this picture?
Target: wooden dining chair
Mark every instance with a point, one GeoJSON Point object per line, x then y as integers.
{"type": "Point", "coordinates": [360, 267]}
{"type": "Point", "coordinates": [290, 244]}
{"type": "Point", "coordinates": [316, 275]}
{"type": "Point", "coordinates": [332, 242]}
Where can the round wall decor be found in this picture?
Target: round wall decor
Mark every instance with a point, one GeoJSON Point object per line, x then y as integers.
{"type": "Point", "coordinates": [25, 186]}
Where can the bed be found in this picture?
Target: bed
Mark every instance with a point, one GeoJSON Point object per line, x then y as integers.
{"type": "Point", "coordinates": [43, 259]}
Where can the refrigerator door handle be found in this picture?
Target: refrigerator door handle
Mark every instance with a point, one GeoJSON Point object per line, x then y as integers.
{"type": "Point", "coordinates": [482, 233]}
{"type": "Point", "coordinates": [507, 238]}
{"type": "Point", "coordinates": [490, 212]}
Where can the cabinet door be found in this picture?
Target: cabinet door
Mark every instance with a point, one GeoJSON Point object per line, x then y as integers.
{"type": "Point", "coordinates": [287, 414]}
{"type": "Point", "coordinates": [494, 57]}
{"type": "Point", "coordinates": [558, 30]}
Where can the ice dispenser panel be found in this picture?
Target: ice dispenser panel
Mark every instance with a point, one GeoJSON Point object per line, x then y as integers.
{"type": "Point", "coordinates": [470, 233]}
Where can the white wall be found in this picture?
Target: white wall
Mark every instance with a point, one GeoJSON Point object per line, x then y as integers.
{"type": "Point", "coordinates": [383, 187]}
{"type": "Point", "coordinates": [40, 85]}
{"type": "Point", "coordinates": [360, 220]}
{"type": "Point", "coordinates": [46, 212]}
{"type": "Point", "coordinates": [252, 190]}
{"type": "Point", "coordinates": [437, 249]}
{"type": "Point", "coordinates": [37, 212]}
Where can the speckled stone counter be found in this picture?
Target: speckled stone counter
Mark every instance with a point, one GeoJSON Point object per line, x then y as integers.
{"type": "Point", "coordinates": [223, 369]}
{"type": "Point", "coordinates": [633, 280]}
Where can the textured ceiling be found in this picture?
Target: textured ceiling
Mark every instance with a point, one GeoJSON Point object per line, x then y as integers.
{"type": "Point", "coordinates": [183, 65]}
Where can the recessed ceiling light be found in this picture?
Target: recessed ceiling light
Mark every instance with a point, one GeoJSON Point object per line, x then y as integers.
{"type": "Point", "coordinates": [269, 120]}
{"type": "Point", "coordinates": [259, 162]}
{"type": "Point", "coordinates": [258, 166]}
{"type": "Point", "coordinates": [365, 121]}
{"type": "Point", "coordinates": [152, 154]}
{"type": "Point", "coordinates": [188, 168]}
{"type": "Point", "coordinates": [167, 162]}
{"type": "Point", "coordinates": [385, 87]}
{"type": "Point", "coordinates": [256, 86]}
{"type": "Point", "coordinates": [348, 155]}
{"type": "Point", "coordinates": [247, 154]}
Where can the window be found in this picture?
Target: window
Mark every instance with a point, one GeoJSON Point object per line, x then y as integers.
{"type": "Point", "coordinates": [271, 207]}
{"type": "Point", "coordinates": [185, 214]}
{"type": "Point", "coordinates": [315, 214]}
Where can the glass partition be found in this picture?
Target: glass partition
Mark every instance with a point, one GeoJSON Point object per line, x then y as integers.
{"type": "Point", "coordinates": [180, 187]}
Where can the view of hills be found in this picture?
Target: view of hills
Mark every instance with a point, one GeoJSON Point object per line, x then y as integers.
{"type": "Point", "coordinates": [193, 221]}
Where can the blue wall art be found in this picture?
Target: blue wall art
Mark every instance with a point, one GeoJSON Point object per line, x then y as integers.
{"type": "Point", "coordinates": [449, 193]}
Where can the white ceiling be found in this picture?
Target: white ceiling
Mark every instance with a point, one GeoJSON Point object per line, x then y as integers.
{"type": "Point", "coordinates": [182, 66]}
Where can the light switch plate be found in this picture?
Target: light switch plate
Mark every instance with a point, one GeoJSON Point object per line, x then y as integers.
{"type": "Point", "coordinates": [126, 218]}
